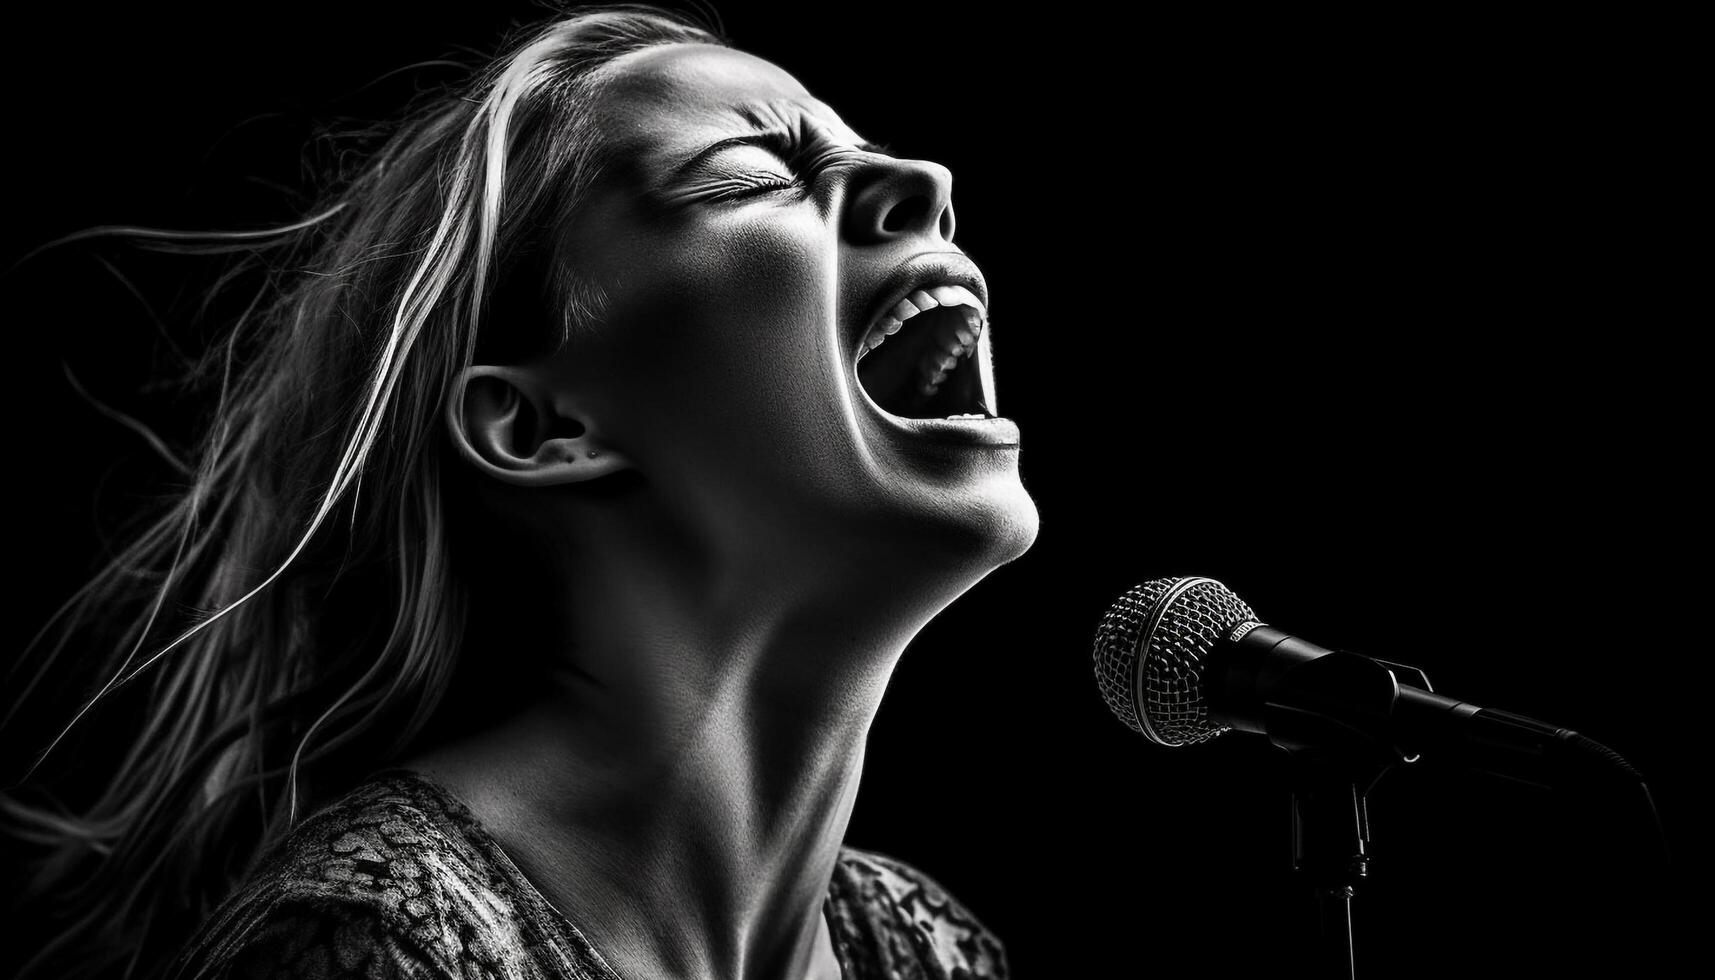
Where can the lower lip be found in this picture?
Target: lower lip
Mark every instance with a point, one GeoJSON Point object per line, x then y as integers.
{"type": "Point", "coordinates": [996, 433]}
{"type": "Point", "coordinates": [999, 433]}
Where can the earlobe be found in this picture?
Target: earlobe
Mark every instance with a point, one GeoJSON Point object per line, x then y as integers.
{"type": "Point", "coordinates": [507, 421]}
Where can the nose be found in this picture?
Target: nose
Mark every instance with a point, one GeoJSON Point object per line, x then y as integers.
{"type": "Point", "coordinates": [900, 198]}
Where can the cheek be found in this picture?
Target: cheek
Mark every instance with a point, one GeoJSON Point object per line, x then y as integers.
{"type": "Point", "coordinates": [727, 331]}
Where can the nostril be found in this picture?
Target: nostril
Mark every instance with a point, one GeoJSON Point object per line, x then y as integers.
{"type": "Point", "coordinates": [906, 214]}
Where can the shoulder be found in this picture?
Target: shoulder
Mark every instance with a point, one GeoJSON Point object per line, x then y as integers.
{"type": "Point", "coordinates": [896, 921]}
{"type": "Point", "coordinates": [382, 883]}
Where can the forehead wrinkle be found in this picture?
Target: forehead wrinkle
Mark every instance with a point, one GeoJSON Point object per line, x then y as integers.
{"type": "Point", "coordinates": [660, 106]}
{"type": "Point", "coordinates": [784, 112]}
{"type": "Point", "coordinates": [664, 90]}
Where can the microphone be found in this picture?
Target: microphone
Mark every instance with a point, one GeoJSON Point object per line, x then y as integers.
{"type": "Point", "coordinates": [1182, 660]}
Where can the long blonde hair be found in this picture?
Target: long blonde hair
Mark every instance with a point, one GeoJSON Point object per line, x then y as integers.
{"type": "Point", "coordinates": [291, 618]}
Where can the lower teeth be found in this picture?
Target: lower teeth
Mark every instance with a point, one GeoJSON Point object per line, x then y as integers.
{"type": "Point", "coordinates": [978, 416]}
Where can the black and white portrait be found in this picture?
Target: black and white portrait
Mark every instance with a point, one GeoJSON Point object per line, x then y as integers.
{"type": "Point", "coordinates": [760, 491]}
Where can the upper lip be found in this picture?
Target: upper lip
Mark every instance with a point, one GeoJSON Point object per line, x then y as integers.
{"type": "Point", "coordinates": [933, 269]}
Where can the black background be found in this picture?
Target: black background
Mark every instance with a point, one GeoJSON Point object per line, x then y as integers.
{"type": "Point", "coordinates": [1371, 317]}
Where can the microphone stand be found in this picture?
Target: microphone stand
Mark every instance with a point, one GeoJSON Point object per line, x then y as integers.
{"type": "Point", "coordinates": [1330, 849]}
{"type": "Point", "coordinates": [1336, 700]}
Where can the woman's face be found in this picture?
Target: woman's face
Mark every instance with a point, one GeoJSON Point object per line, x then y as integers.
{"type": "Point", "coordinates": [748, 242]}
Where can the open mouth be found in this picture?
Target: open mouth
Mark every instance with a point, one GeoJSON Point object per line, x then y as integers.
{"type": "Point", "coordinates": [924, 359]}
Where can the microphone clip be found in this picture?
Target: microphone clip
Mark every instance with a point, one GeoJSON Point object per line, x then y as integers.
{"type": "Point", "coordinates": [1337, 711]}
{"type": "Point", "coordinates": [1334, 715]}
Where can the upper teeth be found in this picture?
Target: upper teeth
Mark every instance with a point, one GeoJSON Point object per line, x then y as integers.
{"type": "Point", "coordinates": [928, 299]}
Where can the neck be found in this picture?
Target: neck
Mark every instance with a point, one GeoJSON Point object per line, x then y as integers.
{"type": "Point", "coordinates": [680, 779]}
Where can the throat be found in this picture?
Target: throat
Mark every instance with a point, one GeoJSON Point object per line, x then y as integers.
{"type": "Point", "coordinates": [621, 845]}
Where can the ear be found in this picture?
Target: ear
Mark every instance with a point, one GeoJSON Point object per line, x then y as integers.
{"type": "Point", "coordinates": [512, 425]}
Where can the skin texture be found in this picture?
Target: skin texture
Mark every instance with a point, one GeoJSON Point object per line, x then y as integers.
{"type": "Point", "coordinates": [703, 549]}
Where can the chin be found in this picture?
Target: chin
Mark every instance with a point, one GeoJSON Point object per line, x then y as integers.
{"type": "Point", "coordinates": [1012, 525]}
{"type": "Point", "coordinates": [964, 537]}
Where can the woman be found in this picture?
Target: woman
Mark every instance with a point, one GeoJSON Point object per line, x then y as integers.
{"type": "Point", "coordinates": [564, 512]}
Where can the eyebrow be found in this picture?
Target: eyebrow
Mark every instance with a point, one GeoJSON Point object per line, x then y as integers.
{"type": "Point", "coordinates": [776, 141]}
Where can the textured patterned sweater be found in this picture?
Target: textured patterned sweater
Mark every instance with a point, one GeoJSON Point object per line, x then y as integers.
{"type": "Point", "coordinates": [398, 879]}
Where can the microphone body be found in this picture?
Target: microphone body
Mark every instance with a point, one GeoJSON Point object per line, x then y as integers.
{"type": "Point", "coordinates": [1183, 660]}
{"type": "Point", "coordinates": [1307, 697]}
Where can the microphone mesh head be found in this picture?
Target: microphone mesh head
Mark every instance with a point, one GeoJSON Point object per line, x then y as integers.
{"type": "Point", "coordinates": [1152, 648]}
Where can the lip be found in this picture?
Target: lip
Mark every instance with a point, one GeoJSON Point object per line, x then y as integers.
{"type": "Point", "coordinates": [937, 268]}
{"type": "Point", "coordinates": [999, 432]}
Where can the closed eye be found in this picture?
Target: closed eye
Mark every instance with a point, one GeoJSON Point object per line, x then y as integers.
{"type": "Point", "coordinates": [748, 161]}
{"type": "Point", "coordinates": [804, 156]}
{"type": "Point", "coordinates": [762, 162]}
